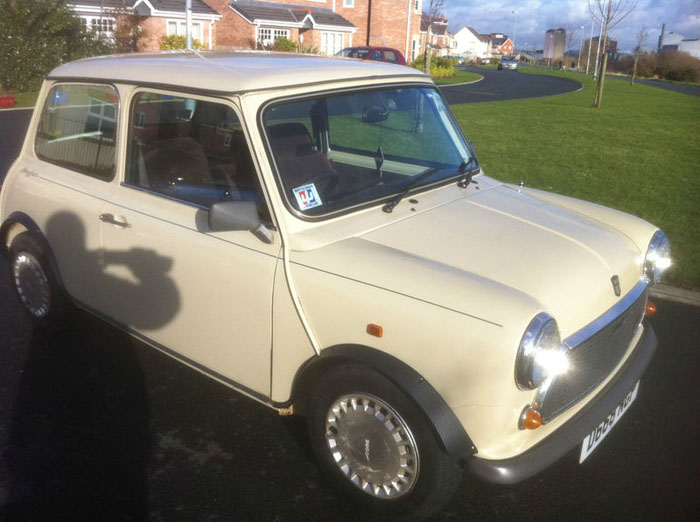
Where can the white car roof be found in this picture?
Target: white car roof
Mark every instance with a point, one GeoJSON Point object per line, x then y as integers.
{"type": "Point", "coordinates": [228, 72]}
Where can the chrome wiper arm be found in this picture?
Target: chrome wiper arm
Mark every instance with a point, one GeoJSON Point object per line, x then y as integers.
{"type": "Point", "coordinates": [389, 205]}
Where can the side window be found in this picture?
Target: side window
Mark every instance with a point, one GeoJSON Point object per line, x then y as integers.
{"type": "Point", "coordinates": [377, 56]}
{"type": "Point", "coordinates": [77, 129]}
{"type": "Point", "coordinates": [191, 150]}
{"type": "Point", "coordinates": [390, 56]}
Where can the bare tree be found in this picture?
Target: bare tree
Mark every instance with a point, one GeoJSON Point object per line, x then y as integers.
{"type": "Point", "coordinates": [434, 10]}
{"type": "Point", "coordinates": [611, 13]}
{"type": "Point", "coordinates": [640, 38]}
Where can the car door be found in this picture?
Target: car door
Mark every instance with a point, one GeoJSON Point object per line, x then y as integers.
{"type": "Point", "coordinates": [205, 297]}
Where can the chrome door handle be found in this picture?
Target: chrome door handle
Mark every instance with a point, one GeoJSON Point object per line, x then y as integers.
{"type": "Point", "coordinates": [109, 218]}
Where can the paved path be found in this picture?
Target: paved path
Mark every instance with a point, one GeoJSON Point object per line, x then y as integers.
{"type": "Point", "coordinates": [507, 85]}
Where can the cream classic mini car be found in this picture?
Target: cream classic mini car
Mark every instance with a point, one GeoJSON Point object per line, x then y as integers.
{"type": "Point", "coordinates": [317, 234]}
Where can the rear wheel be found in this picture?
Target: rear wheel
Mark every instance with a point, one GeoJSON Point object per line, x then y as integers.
{"type": "Point", "coordinates": [36, 285]}
{"type": "Point", "coordinates": [376, 446]}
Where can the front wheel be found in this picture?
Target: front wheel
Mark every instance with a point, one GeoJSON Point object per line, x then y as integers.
{"type": "Point", "coordinates": [376, 446]}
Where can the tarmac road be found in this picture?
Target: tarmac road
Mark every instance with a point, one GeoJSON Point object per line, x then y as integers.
{"type": "Point", "coordinates": [506, 85]}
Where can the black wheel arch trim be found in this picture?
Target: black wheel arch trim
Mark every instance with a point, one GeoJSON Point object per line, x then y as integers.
{"type": "Point", "coordinates": [28, 223]}
{"type": "Point", "coordinates": [572, 433]}
{"type": "Point", "coordinates": [449, 431]}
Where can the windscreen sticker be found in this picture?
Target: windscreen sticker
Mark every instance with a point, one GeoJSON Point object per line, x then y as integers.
{"type": "Point", "coordinates": [307, 197]}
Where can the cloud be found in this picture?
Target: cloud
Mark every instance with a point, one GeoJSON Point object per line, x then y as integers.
{"type": "Point", "coordinates": [536, 16]}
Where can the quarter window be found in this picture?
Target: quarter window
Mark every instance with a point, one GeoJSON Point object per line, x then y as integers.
{"type": "Point", "coordinates": [77, 129]}
{"type": "Point", "coordinates": [190, 150]}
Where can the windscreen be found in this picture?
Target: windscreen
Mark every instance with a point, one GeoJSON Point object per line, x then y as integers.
{"type": "Point", "coordinates": [350, 149]}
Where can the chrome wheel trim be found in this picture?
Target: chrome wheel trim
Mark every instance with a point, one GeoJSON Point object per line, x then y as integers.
{"type": "Point", "coordinates": [372, 445]}
{"type": "Point", "coordinates": [31, 283]}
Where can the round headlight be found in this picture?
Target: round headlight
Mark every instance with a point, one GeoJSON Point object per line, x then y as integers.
{"type": "Point", "coordinates": [541, 354]}
{"type": "Point", "coordinates": [658, 257]}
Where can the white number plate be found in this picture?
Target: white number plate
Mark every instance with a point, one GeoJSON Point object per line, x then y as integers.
{"type": "Point", "coordinates": [592, 441]}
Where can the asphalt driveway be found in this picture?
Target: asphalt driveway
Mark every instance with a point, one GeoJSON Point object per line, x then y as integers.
{"type": "Point", "coordinates": [506, 85]}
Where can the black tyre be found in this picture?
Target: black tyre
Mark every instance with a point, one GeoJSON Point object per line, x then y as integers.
{"type": "Point", "coordinates": [376, 446]}
{"type": "Point", "coordinates": [36, 286]}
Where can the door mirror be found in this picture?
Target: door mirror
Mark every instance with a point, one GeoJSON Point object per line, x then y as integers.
{"type": "Point", "coordinates": [238, 215]}
{"type": "Point", "coordinates": [375, 114]}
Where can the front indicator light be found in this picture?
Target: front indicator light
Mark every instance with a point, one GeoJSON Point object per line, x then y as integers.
{"type": "Point", "coordinates": [650, 310]}
{"type": "Point", "coordinates": [530, 419]}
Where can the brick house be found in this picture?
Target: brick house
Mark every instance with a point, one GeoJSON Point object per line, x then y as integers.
{"type": "Point", "coordinates": [435, 34]}
{"type": "Point", "coordinates": [162, 17]}
{"type": "Point", "coordinates": [499, 44]}
{"type": "Point", "coordinates": [326, 25]}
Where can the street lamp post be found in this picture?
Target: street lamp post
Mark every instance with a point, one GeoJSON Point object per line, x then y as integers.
{"type": "Point", "coordinates": [515, 28]}
{"type": "Point", "coordinates": [188, 23]}
{"type": "Point", "coordinates": [590, 41]}
{"type": "Point", "coordinates": [580, 48]}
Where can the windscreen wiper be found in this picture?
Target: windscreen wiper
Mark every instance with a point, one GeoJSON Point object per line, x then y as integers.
{"type": "Point", "coordinates": [389, 205]}
{"type": "Point", "coordinates": [466, 174]}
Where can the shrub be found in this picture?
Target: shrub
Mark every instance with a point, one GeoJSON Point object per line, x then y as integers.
{"type": "Point", "coordinates": [38, 36]}
{"type": "Point", "coordinates": [439, 67]}
{"type": "Point", "coordinates": [178, 41]}
{"type": "Point", "coordinates": [285, 45]}
{"type": "Point", "coordinates": [668, 65]}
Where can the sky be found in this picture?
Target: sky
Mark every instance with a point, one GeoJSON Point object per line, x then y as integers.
{"type": "Point", "coordinates": [536, 16]}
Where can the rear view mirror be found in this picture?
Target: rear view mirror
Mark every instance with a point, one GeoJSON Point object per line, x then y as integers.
{"type": "Point", "coordinates": [375, 114]}
{"type": "Point", "coordinates": [238, 215]}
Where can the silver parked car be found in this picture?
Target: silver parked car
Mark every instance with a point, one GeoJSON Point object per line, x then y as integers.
{"type": "Point", "coordinates": [508, 62]}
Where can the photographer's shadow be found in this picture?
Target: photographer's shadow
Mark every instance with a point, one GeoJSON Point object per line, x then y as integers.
{"type": "Point", "coordinates": [80, 437]}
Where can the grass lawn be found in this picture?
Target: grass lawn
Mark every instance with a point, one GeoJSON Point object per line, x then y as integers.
{"type": "Point", "coordinates": [459, 77]}
{"type": "Point", "coordinates": [639, 152]}
{"type": "Point", "coordinates": [23, 99]}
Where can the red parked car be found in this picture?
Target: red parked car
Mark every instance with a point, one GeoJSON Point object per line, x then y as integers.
{"type": "Point", "coordinates": [379, 54]}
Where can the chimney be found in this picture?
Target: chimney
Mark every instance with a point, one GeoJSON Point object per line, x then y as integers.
{"type": "Point", "coordinates": [661, 38]}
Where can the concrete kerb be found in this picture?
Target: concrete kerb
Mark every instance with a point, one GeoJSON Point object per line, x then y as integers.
{"type": "Point", "coordinates": [677, 295]}
{"type": "Point", "coordinates": [458, 84]}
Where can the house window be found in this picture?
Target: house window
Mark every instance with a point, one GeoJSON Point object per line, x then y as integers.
{"type": "Point", "coordinates": [179, 27]}
{"type": "Point", "coordinates": [267, 36]}
{"type": "Point", "coordinates": [348, 3]}
{"type": "Point", "coordinates": [414, 48]}
{"type": "Point", "coordinates": [331, 43]}
{"type": "Point", "coordinates": [416, 6]}
{"type": "Point", "coordinates": [101, 25]}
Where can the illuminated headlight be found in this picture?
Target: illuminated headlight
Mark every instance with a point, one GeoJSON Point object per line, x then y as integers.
{"type": "Point", "coordinates": [541, 354]}
{"type": "Point", "coordinates": [658, 257]}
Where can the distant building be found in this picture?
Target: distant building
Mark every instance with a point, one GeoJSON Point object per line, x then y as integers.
{"type": "Point", "coordinates": [676, 42]}
{"type": "Point", "coordinates": [433, 33]}
{"type": "Point", "coordinates": [500, 44]}
{"type": "Point", "coordinates": [554, 44]}
{"type": "Point", "coordinates": [692, 47]}
{"type": "Point", "coordinates": [471, 44]}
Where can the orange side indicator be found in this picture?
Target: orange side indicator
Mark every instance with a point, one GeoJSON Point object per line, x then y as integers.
{"type": "Point", "coordinates": [375, 330]}
{"type": "Point", "coordinates": [651, 309]}
{"type": "Point", "coordinates": [531, 419]}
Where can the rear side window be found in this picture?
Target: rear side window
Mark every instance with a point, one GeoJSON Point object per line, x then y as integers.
{"type": "Point", "coordinates": [77, 129]}
{"type": "Point", "coordinates": [390, 56]}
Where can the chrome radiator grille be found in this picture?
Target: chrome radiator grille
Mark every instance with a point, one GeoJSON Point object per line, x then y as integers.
{"type": "Point", "coordinates": [593, 359]}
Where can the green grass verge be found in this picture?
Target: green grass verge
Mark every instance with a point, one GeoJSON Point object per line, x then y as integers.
{"type": "Point", "coordinates": [23, 99]}
{"type": "Point", "coordinates": [459, 77]}
{"type": "Point", "coordinates": [638, 152]}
